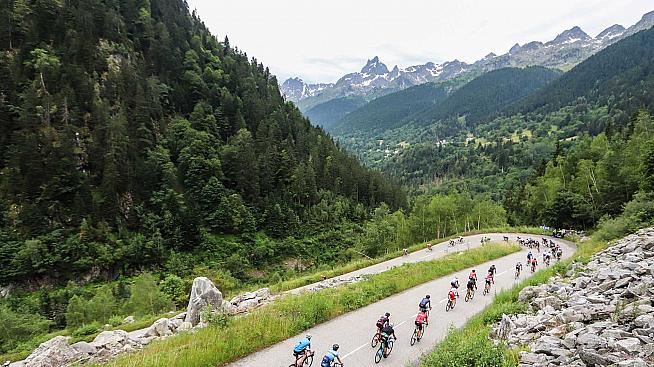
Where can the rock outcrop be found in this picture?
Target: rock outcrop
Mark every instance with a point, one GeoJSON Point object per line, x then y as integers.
{"type": "Point", "coordinates": [599, 314]}
{"type": "Point", "coordinates": [203, 294]}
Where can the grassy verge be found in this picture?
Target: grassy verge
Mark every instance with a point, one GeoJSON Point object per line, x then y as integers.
{"type": "Point", "coordinates": [363, 263]}
{"type": "Point", "coordinates": [291, 315]}
{"type": "Point", "coordinates": [472, 345]}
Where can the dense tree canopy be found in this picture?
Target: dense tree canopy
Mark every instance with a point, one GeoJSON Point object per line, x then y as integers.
{"type": "Point", "coordinates": [127, 131]}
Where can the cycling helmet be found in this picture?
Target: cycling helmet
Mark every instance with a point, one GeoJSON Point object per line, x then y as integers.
{"type": "Point", "coordinates": [309, 336]}
{"type": "Point", "coordinates": [428, 296]}
{"type": "Point", "coordinates": [388, 314]}
{"type": "Point", "coordinates": [335, 347]}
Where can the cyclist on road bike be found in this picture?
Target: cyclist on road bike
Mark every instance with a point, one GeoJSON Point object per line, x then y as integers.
{"type": "Point", "coordinates": [387, 332]}
{"type": "Point", "coordinates": [518, 267]}
{"type": "Point", "coordinates": [385, 319]}
{"type": "Point", "coordinates": [491, 273]}
{"type": "Point", "coordinates": [455, 282]}
{"type": "Point", "coordinates": [534, 264]}
{"type": "Point", "coordinates": [473, 277]}
{"type": "Point", "coordinates": [529, 257]}
{"type": "Point", "coordinates": [489, 280]}
{"type": "Point", "coordinates": [302, 349]}
{"type": "Point", "coordinates": [472, 285]}
{"type": "Point", "coordinates": [452, 295]}
{"type": "Point", "coordinates": [332, 355]}
{"type": "Point", "coordinates": [421, 319]}
{"type": "Point", "coordinates": [425, 304]}
{"type": "Point", "coordinates": [429, 247]}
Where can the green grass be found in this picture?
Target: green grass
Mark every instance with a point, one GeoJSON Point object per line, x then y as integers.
{"type": "Point", "coordinates": [290, 315]}
{"type": "Point", "coordinates": [472, 345]}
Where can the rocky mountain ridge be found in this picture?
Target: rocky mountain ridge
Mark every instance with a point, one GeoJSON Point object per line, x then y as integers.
{"type": "Point", "coordinates": [599, 314]}
{"type": "Point", "coordinates": [566, 50]}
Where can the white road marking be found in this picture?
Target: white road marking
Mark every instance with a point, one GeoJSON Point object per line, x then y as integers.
{"type": "Point", "coordinates": [354, 351]}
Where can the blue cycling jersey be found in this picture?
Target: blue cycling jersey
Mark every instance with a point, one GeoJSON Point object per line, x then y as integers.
{"type": "Point", "coordinates": [302, 345]}
{"type": "Point", "coordinates": [329, 358]}
{"type": "Point", "coordinates": [425, 302]}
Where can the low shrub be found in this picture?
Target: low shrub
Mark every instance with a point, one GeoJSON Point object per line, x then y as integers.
{"type": "Point", "coordinates": [87, 329]}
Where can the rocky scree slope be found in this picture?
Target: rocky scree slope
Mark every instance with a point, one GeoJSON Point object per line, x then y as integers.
{"type": "Point", "coordinates": [599, 314]}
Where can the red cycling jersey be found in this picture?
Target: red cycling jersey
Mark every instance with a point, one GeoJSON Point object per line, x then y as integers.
{"type": "Point", "coordinates": [472, 275]}
{"type": "Point", "coordinates": [452, 295]}
{"type": "Point", "coordinates": [421, 318]}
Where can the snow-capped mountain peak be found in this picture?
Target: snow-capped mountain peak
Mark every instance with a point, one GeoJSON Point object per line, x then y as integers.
{"type": "Point", "coordinates": [611, 32]}
{"type": "Point", "coordinates": [567, 49]}
{"type": "Point", "coordinates": [571, 35]}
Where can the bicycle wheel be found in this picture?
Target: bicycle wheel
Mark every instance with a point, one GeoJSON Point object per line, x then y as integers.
{"type": "Point", "coordinates": [486, 289]}
{"type": "Point", "coordinates": [375, 340]}
{"type": "Point", "coordinates": [467, 296]}
{"type": "Point", "coordinates": [414, 337]}
{"type": "Point", "coordinates": [390, 347]}
{"type": "Point", "coordinates": [308, 361]}
{"type": "Point", "coordinates": [448, 306]}
{"type": "Point", "coordinates": [380, 354]}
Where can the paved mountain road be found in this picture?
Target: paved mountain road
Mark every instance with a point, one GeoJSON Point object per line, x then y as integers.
{"type": "Point", "coordinates": [354, 330]}
{"type": "Point", "coordinates": [439, 250]}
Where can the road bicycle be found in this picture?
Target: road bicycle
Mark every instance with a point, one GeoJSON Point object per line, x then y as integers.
{"type": "Point", "coordinates": [470, 294]}
{"type": "Point", "coordinates": [307, 361]}
{"type": "Point", "coordinates": [380, 352]}
{"type": "Point", "coordinates": [375, 338]}
{"type": "Point", "coordinates": [450, 304]}
{"type": "Point", "coordinates": [517, 273]}
{"type": "Point", "coordinates": [417, 334]}
{"type": "Point", "coordinates": [487, 288]}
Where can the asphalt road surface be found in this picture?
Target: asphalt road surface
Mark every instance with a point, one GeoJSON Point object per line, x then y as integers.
{"type": "Point", "coordinates": [354, 330]}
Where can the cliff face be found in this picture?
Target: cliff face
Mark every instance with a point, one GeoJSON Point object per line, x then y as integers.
{"type": "Point", "coordinates": [599, 314]}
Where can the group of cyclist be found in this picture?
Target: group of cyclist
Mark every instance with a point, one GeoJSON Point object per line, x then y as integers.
{"type": "Point", "coordinates": [385, 328]}
{"type": "Point", "coordinates": [302, 351]}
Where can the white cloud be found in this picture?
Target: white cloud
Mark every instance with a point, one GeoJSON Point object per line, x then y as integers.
{"type": "Point", "coordinates": [322, 40]}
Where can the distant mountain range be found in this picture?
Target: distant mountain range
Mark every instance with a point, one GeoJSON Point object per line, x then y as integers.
{"type": "Point", "coordinates": [375, 79]}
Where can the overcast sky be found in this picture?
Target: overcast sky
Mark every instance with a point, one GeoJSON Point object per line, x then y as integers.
{"type": "Point", "coordinates": [321, 40]}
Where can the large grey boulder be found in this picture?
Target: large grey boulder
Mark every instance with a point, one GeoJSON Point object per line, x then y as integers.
{"type": "Point", "coordinates": [84, 348]}
{"type": "Point", "coordinates": [110, 339]}
{"type": "Point", "coordinates": [203, 293]}
{"type": "Point", "coordinates": [593, 359]}
{"type": "Point", "coordinates": [54, 353]}
{"type": "Point", "coordinates": [161, 328]}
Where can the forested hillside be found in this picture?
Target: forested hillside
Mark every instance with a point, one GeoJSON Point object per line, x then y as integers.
{"type": "Point", "coordinates": [387, 112]}
{"type": "Point", "coordinates": [327, 114]}
{"type": "Point", "coordinates": [129, 135]}
{"type": "Point", "coordinates": [486, 95]}
{"type": "Point", "coordinates": [619, 75]}
{"type": "Point", "coordinates": [576, 165]}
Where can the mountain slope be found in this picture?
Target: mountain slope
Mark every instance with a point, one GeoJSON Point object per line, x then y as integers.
{"type": "Point", "coordinates": [132, 138]}
{"type": "Point", "coordinates": [486, 95]}
{"type": "Point", "coordinates": [386, 112]}
{"type": "Point", "coordinates": [329, 113]}
{"type": "Point", "coordinates": [627, 67]}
